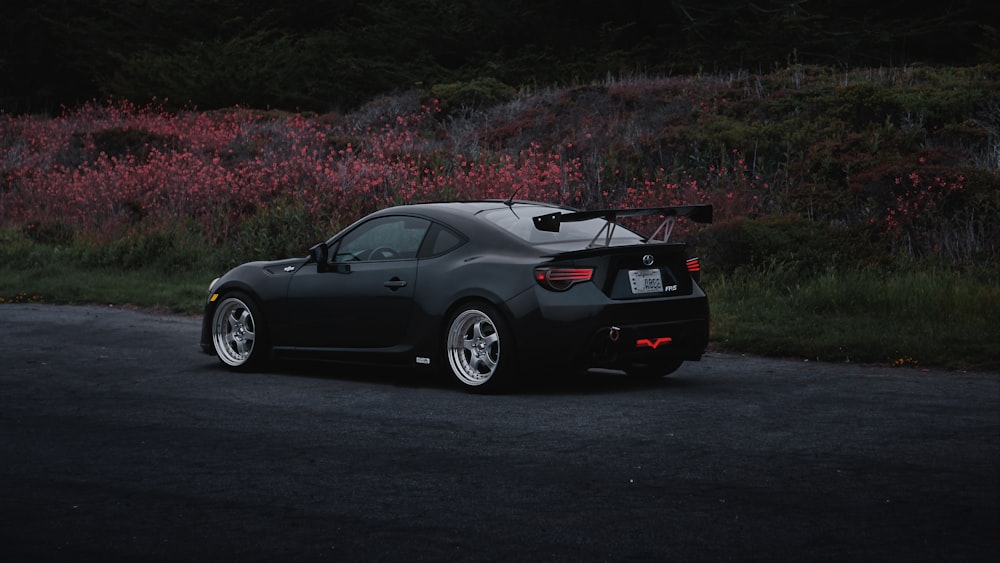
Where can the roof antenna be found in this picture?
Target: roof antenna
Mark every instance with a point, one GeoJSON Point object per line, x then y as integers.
{"type": "Point", "coordinates": [510, 200]}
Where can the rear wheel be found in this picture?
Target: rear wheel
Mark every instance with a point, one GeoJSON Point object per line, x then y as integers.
{"type": "Point", "coordinates": [479, 348]}
{"type": "Point", "coordinates": [653, 370]}
{"type": "Point", "coordinates": [237, 332]}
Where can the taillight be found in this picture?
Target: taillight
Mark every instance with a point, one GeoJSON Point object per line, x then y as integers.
{"type": "Point", "coordinates": [561, 279]}
{"type": "Point", "coordinates": [694, 267]}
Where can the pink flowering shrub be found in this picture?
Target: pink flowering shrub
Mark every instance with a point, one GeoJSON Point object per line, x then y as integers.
{"type": "Point", "coordinates": [240, 178]}
{"type": "Point", "coordinates": [218, 170]}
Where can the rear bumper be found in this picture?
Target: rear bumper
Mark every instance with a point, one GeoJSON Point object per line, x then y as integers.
{"type": "Point", "coordinates": [622, 346]}
{"type": "Point", "coordinates": [588, 329]}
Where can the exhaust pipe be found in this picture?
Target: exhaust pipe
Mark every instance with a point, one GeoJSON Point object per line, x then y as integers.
{"type": "Point", "coordinates": [614, 333]}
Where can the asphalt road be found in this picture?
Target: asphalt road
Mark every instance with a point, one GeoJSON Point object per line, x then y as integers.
{"type": "Point", "coordinates": [119, 440]}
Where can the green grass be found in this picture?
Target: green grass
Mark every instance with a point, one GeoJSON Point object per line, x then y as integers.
{"type": "Point", "coordinates": [179, 293]}
{"type": "Point", "coordinates": [70, 273]}
{"type": "Point", "coordinates": [927, 316]}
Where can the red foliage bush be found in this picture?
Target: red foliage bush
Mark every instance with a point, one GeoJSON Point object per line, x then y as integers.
{"type": "Point", "coordinates": [223, 168]}
{"type": "Point", "coordinates": [106, 170]}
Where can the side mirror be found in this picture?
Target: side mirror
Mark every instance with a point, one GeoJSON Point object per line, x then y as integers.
{"type": "Point", "coordinates": [320, 254]}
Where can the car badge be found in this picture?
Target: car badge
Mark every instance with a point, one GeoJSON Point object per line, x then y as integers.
{"type": "Point", "coordinates": [289, 268]}
{"type": "Point", "coordinates": [647, 259]}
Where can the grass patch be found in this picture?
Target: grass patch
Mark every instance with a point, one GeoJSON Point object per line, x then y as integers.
{"type": "Point", "coordinates": [182, 293]}
{"type": "Point", "coordinates": [922, 315]}
{"type": "Point", "coordinates": [32, 271]}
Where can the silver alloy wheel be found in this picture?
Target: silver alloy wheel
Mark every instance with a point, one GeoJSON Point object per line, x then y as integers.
{"type": "Point", "coordinates": [233, 332]}
{"type": "Point", "coordinates": [473, 347]}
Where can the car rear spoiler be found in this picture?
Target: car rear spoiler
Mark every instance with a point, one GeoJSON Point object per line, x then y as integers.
{"type": "Point", "coordinates": [699, 213]}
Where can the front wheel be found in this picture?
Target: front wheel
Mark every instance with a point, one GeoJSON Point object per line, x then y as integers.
{"type": "Point", "coordinates": [480, 348]}
{"type": "Point", "coordinates": [238, 332]}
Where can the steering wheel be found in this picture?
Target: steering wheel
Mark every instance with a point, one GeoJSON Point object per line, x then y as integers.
{"type": "Point", "coordinates": [382, 253]}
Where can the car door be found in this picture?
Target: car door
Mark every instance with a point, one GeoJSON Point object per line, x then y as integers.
{"type": "Point", "coordinates": [364, 298]}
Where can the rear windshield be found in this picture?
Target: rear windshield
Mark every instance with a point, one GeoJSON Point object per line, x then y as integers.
{"type": "Point", "coordinates": [518, 221]}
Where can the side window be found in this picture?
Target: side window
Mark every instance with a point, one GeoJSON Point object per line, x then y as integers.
{"type": "Point", "coordinates": [439, 241]}
{"type": "Point", "coordinates": [384, 238]}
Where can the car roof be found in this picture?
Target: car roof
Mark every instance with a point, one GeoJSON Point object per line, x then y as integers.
{"type": "Point", "coordinates": [464, 212]}
{"type": "Point", "coordinates": [471, 207]}
{"type": "Point", "coordinates": [465, 215]}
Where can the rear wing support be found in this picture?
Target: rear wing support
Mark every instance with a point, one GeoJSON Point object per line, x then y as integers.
{"type": "Point", "coordinates": [699, 213]}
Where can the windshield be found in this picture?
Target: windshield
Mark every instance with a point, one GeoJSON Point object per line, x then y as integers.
{"type": "Point", "coordinates": [518, 221]}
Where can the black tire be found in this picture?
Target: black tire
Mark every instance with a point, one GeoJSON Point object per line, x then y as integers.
{"type": "Point", "coordinates": [238, 332]}
{"type": "Point", "coordinates": [479, 348]}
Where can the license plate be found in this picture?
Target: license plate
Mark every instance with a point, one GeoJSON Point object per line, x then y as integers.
{"type": "Point", "coordinates": [645, 281]}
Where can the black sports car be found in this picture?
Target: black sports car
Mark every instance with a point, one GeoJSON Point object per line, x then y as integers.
{"type": "Point", "coordinates": [485, 290]}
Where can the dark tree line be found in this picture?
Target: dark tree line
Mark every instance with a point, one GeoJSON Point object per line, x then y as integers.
{"type": "Point", "coordinates": [327, 54]}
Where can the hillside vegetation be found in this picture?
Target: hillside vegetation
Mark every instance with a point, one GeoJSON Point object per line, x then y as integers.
{"type": "Point", "coordinates": [337, 54]}
{"type": "Point", "coordinates": [857, 212]}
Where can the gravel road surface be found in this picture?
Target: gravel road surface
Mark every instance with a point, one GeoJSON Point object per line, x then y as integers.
{"type": "Point", "coordinates": [120, 441]}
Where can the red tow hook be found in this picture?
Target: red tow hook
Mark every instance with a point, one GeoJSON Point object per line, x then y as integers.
{"type": "Point", "coordinates": [653, 343]}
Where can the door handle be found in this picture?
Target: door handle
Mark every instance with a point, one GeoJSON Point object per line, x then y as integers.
{"type": "Point", "coordinates": [394, 284]}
